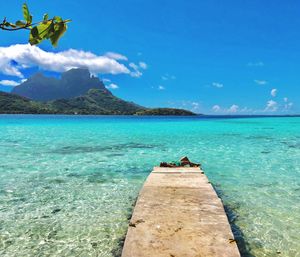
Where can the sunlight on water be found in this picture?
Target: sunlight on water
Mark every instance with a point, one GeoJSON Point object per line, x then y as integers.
{"type": "Point", "coordinates": [68, 184]}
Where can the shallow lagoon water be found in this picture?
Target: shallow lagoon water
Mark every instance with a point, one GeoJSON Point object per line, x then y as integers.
{"type": "Point", "coordinates": [68, 183]}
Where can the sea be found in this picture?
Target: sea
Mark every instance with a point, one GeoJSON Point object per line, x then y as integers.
{"type": "Point", "coordinates": [68, 184]}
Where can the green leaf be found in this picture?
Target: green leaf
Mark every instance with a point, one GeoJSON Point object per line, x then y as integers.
{"type": "Point", "coordinates": [26, 14]}
{"type": "Point", "coordinates": [20, 23]}
{"type": "Point", "coordinates": [8, 24]}
{"type": "Point", "coordinates": [45, 17]}
{"type": "Point", "coordinates": [60, 29]}
{"type": "Point", "coordinates": [34, 36]}
{"type": "Point", "coordinates": [34, 41]}
{"type": "Point", "coordinates": [57, 19]}
{"type": "Point", "coordinates": [13, 25]}
{"type": "Point", "coordinates": [40, 32]}
{"type": "Point", "coordinates": [34, 32]}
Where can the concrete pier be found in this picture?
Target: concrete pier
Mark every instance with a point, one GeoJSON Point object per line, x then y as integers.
{"type": "Point", "coordinates": [178, 214]}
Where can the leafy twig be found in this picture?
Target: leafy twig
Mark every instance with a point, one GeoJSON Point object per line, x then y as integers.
{"type": "Point", "coordinates": [52, 29]}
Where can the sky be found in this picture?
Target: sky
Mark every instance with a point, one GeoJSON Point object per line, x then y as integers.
{"type": "Point", "coordinates": [209, 56]}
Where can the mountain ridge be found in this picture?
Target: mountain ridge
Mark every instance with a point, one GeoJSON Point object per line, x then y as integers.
{"type": "Point", "coordinates": [76, 92]}
{"type": "Point", "coordinates": [72, 83]}
{"type": "Point", "coordinates": [82, 105]}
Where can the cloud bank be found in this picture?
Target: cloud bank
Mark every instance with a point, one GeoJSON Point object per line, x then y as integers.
{"type": "Point", "coordinates": [232, 109]}
{"type": "Point", "coordinates": [15, 58]}
{"type": "Point", "coordinates": [11, 83]}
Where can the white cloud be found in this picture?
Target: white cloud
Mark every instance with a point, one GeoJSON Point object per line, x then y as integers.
{"type": "Point", "coordinates": [106, 80]}
{"type": "Point", "coordinates": [112, 86]}
{"type": "Point", "coordinates": [246, 110]}
{"type": "Point", "coordinates": [272, 106]}
{"type": "Point", "coordinates": [168, 77]}
{"type": "Point", "coordinates": [233, 109]}
{"type": "Point", "coordinates": [143, 65]}
{"type": "Point", "coordinates": [217, 85]}
{"type": "Point", "coordinates": [133, 66]}
{"type": "Point", "coordinates": [136, 73]}
{"type": "Point", "coordinates": [161, 87]}
{"type": "Point", "coordinates": [195, 107]}
{"type": "Point", "coordinates": [186, 104]}
{"type": "Point", "coordinates": [261, 82]}
{"type": "Point", "coordinates": [116, 56]}
{"type": "Point", "coordinates": [216, 108]}
{"type": "Point", "coordinates": [31, 56]}
{"type": "Point", "coordinates": [274, 92]}
{"type": "Point", "coordinates": [256, 64]}
{"type": "Point", "coordinates": [9, 83]}
{"type": "Point", "coordinates": [288, 106]}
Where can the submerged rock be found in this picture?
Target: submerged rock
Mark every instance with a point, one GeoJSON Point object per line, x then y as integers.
{"type": "Point", "coordinates": [56, 210]}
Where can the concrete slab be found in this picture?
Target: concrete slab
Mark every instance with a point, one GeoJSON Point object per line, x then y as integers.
{"type": "Point", "coordinates": [178, 214]}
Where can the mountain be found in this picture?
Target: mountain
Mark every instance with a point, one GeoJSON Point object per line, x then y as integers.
{"type": "Point", "coordinates": [95, 101]}
{"type": "Point", "coordinates": [75, 82]}
{"type": "Point", "coordinates": [14, 104]}
{"type": "Point", "coordinates": [77, 92]}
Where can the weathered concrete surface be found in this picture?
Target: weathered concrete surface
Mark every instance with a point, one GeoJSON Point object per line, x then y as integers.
{"type": "Point", "coordinates": [179, 214]}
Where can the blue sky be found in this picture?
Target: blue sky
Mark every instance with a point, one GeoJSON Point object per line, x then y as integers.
{"type": "Point", "coordinates": [218, 57]}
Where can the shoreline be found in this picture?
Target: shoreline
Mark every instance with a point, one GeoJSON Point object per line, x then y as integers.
{"type": "Point", "coordinates": [199, 116]}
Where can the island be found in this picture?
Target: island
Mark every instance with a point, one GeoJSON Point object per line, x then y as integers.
{"type": "Point", "coordinates": [76, 92]}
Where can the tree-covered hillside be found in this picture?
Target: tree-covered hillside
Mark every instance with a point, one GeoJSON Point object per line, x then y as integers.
{"type": "Point", "coordinates": [76, 92]}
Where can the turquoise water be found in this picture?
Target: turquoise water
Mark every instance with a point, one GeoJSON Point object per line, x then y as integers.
{"type": "Point", "coordinates": [68, 184]}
